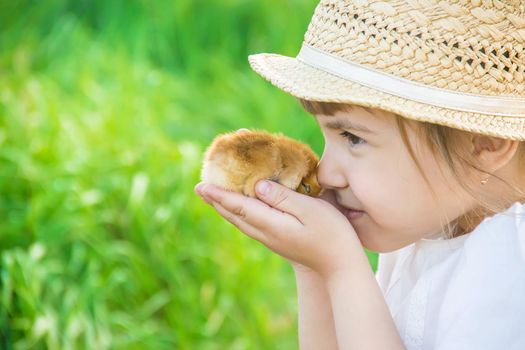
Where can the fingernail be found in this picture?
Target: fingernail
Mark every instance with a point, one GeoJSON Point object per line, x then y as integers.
{"type": "Point", "coordinates": [198, 188]}
{"type": "Point", "coordinates": [263, 187]}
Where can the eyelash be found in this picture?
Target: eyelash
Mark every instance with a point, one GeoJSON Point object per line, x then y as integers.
{"type": "Point", "coordinates": [351, 137]}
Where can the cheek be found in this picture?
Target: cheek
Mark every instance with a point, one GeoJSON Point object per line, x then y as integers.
{"type": "Point", "coordinates": [373, 178]}
{"type": "Point", "coordinates": [371, 187]}
{"type": "Point", "coordinates": [367, 187]}
{"type": "Point", "coordinates": [408, 204]}
{"type": "Point", "coordinates": [390, 191]}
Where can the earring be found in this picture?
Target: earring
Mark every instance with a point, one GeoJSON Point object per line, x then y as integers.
{"type": "Point", "coordinates": [484, 181]}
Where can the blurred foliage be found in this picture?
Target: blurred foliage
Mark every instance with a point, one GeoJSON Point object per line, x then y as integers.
{"type": "Point", "coordinates": [105, 110]}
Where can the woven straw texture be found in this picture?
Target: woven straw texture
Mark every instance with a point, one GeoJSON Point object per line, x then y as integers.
{"type": "Point", "coordinates": [473, 47]}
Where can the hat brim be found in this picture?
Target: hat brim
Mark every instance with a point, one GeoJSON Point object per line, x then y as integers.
{"type": "Point", "coordinates": [306, 82]}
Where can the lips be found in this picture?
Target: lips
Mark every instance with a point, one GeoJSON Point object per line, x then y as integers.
{"type": "Point", "coordinates": [349, 208]}
{"type": "Point", "coordinates": [353, 214]}
{"type": "Point", "coordinates": [342, 205]}
{"type": "Point", "coordinates": [352, 209]}
{"type": "Point", "coordinates": [350, 213]}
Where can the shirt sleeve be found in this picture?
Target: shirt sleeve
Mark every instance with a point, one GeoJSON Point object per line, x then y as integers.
{"type": "Point", "coordinates": [386, 273]}
{"type": "Point", "coordinates": [484, 304]}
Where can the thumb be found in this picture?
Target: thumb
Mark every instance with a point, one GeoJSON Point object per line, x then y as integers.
{"type": "Point", "coordinates": [282, 198]}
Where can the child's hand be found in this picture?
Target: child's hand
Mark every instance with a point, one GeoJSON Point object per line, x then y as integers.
{"type": "Point", "coordinates": [305, 230]}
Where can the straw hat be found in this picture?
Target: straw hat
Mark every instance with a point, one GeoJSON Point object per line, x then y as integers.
{"type": "Point", "coordinates": [459, 63]}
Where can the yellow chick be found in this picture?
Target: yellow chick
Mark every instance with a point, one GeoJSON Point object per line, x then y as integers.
{"type": "Point", "coordinates": [237, 160]}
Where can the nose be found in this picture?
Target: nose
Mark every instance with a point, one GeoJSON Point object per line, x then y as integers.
{"type": "Point", "coordinates": [329, 172]}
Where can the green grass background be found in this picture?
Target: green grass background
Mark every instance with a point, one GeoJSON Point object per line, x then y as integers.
{"type": "Point", "coordinates": [106, 108]}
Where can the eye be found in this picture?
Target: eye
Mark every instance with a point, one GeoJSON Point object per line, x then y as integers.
{"type": "Point", "coordinates": [354, 140]}
{"type": "Point", "coordinates": [307, 188]}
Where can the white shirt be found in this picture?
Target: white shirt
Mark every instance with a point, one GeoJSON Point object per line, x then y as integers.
{"type": "Point", "coordinates": [466, 292]}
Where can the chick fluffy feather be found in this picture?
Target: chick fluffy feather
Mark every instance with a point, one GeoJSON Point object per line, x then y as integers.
{"type": "Point", "coordinates": [237, 160]}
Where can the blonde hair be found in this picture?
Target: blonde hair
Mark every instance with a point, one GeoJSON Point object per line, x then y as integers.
{"type": "Point", "coordinates": [445, 142]}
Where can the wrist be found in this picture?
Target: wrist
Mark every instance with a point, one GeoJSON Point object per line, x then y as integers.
{"type": "Point", "coordinates": [301, 269]}
{"type": "Point", "coordinates": [351, 273]}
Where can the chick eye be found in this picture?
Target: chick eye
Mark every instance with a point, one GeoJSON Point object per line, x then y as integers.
{"type": "Point", "coordinates": [353, 138]}
{"type": "Point", "coordinates": [307, 188]}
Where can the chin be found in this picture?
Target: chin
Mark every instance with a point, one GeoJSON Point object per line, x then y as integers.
{"type": "Point", "coordinates": [378, 245]}
{"type": "Point", "coordinates": [377, 249]}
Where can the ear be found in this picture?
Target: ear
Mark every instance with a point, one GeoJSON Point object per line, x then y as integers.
{"type": "Point", "coordinates": [493, 153]}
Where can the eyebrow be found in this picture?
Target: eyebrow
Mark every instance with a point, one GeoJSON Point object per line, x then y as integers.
{"type": "Point", "coordinates": [347, 124]}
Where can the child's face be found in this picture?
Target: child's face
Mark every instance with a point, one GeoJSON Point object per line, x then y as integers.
{"type": "Point", "coordinates": [373, 172]}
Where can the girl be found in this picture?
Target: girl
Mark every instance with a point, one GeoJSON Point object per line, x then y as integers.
{"type": "Point", "coordinates": [422, 107]}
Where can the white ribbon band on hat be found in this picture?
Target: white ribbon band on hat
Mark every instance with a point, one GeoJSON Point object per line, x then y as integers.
{"type": "Point", "coordinates": [494, 105]}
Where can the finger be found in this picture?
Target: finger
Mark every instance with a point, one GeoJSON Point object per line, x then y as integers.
{"type": "Point", "coordinates": [273, 242]}
{"type": "Point", "coordinates": [285, 199]}
{"type": "Point", "coordinates": [252, 211]}
{"type": "Point", "coordinates": [239, 222]}
{"type": "Point", "coordinates": [198, 190]}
